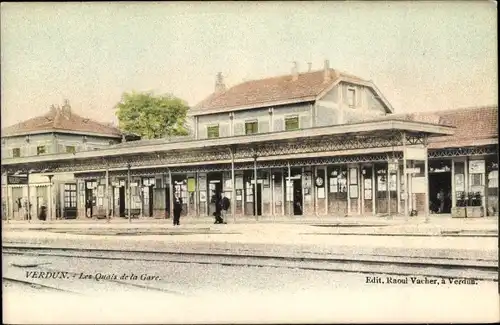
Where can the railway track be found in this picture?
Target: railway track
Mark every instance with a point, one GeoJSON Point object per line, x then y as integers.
{"type": "Point", "coordinates": [436, 267]}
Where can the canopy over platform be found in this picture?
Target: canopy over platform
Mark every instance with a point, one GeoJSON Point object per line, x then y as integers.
{"type": "Point", "coordinates": [370, 137]}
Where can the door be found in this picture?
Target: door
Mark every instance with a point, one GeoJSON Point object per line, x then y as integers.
{"type": "Point", "coordinates": [89, 202]}
{"type": "Point", "coordinates": [259, 200]}
{"type": "Point", "coordinates": [297, 197]}
{"type": "Point", "coordinates": [151, 200]}
{"type": "Point", "coordinates": [121, 202]}
{"type": "Point", "coordinates": [167, 202]}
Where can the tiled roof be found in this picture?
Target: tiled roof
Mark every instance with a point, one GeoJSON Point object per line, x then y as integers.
{"type": "Point", "coordinates": [472, 125]}
{"type": "Point", "coordinates": [61, 120]}
{"type": "Point", "coordinates": [275, 89]}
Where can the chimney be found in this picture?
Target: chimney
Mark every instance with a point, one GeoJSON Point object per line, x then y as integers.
{"type": "Point", "coordinates": [309, 66]}
{"type": "Point", "coordinates": [66, 109]}
{"type": "Point", "coordinates": [295, 72]}
{"type": "Point", "coordinates": [326, 72]}
{"type": "Point", "coordinates": [219, 83]}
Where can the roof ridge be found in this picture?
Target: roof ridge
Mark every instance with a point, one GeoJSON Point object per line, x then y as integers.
{"type": "Point", "coordinates": [283, 76]}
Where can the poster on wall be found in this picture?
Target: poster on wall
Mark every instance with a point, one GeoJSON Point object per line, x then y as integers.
{"type": "Point", "coordinates": [228, 184]}
{"type": "Point", "coordinates": [191, 185]}
{"type": "Point", "coordinates": [381, 182]}
{"type": "Point", "coordinates": [476, 166]}
{"type": "Point", "coordinates": [393, 183]}
{"type": "Point", "coordinates": [333, 185]}
{"type": "Point", "coordinates": [100, 191]}
{"type": "Point", "coordinates": [368, 183]}
{"type": "Point", "coordinates": [459, 183]}
{"type": "Point", "coordinates": [202, 182]}
{"type": "Point", "coordinates": [203, 196]}
{"type": "Point", "coordinates": [321, 192]}
{"type": "Point", "coordinates": [353, 191]}
{"type": "Point", "coordinates": [368, 194]}
{"type": "Point", "coordinates": [239, 182]}
{"type": "Point", "coordinates": [353, 176]}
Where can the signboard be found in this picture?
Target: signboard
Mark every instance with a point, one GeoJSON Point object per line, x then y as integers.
{"type": "Point", "coordinates": [476, 166]}
{"type": "Point", "coordinates": [17, 179]}
{"type": "Point", "coordinates": [415, 170]}
{"type": "Point", "coordinates": [191, 185]}
{"type": "Point", "coordinates": [415, 153]}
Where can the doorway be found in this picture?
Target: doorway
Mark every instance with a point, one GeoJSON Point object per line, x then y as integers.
{"type": "Point", "coordinates": [440, 192]}
{"type": "Point", "coordinates": [167, 202]}
{"type": "Point", "coordinates": [214, 190]}
{"type": "Point", "coordinates": [297, 197]}
{"type": "Point", "coordinates": [258, 200]}
{"type": "Point", "coordinates": [89, 202]}
{"type": "Point", "coordinates": [121, 201]}
{"type": "Point", "coordinates": [148, 200]}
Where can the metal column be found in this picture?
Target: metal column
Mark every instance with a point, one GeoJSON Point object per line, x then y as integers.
{"type": "Point", "coordinates": [426, 175]}
{"type": "Point", "coordinates": [7, 196]}
{"type": "Point", "coordinates": [405, 177]}
{"type": "Point", "coordinates": [325, 186]}
{"type": "Point", "coordinates": [233, 186]}
{"type": "Point", "coordinates": [290, 204]}
{"type": "Point", "coordinates": [129, 195]}
{"type": "Point", "coordinates": [348, 181]}
{"type": "Point", "coordinates": [51, 197]}
{"type": "Point", "coordinates": [255, 186]}
{"type": "Point", "coordinates": [106, 201]}
{"type": "Point", "coordinates": [170, 194]}
{"type": "Point", "coordinates": [374, 190]}
{"type": "Point", "coordinates": [29, 198]}
{"type": "Point", "coordinates": [388, 184]}
{"type": "Point", "coordinates": [453, 196]}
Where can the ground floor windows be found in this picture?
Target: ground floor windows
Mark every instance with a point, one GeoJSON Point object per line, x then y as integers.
{"type": "Point", "coordinates": [70, 196]}
{"type": "Point", "coordinates": [324, 190]}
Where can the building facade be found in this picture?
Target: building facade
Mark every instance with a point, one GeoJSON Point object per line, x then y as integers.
{"type": "Point", "coordinates": [58, 131]}
{"type": "Point", "coordinates": [320, 143]}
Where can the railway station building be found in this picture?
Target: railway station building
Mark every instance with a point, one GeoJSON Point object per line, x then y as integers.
{"type": "Point", "coordinates": [318, 143]}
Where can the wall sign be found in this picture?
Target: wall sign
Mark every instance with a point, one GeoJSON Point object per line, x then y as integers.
{"type": "Point", "coordinates": [476, 166]}
{"type": "Point", "coordinates": [320, 181]}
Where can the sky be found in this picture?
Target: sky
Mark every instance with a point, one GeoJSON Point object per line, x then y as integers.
{"type": "Point", "coordinates": [423, 56]}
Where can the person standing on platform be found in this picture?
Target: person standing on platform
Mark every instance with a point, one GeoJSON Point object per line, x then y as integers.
{"type": "Point", "coordinates": [177, 209]}
{"type": "Point", "coordinates": [225, 204]}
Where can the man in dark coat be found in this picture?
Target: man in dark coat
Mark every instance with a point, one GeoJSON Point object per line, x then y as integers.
{"type": "Point", "coordinates": [177, 209]}
{"type": "Point", "coordinates": [225, 204]}
{"type": "Point", "coordinates": [218, 209]}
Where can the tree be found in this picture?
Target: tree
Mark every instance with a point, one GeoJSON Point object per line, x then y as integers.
{"type": "Point", "coordinates": [152, 116]}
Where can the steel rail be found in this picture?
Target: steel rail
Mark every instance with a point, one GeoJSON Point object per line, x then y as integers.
{"type": "Point", "coordinates": [329, 263]}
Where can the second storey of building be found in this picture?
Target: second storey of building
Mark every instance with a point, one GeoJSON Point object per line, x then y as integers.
{"type": "Point", "coordinates": [58, 131]}
{"type": "Point", "coordinates": [291, 102]}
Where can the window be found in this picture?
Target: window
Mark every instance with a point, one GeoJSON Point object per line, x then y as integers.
{"type": "Point", "coordinates": [16, 152]}
{"type": "Point", "coordinates": [70, 149]}
{"type": "Point", "coordinates": [213, 131]}
{"type": "Point", "coordinates": [476, 180]}
{"type": "Point", "coordinates": [40, 150]}
{"type": "Point", "coordinates": [351, 97]}
{"type": "Point", "coordinates": [251, 127]}
{"type": "Point", "coordinates": [70, 195]}
{"type": "Point", "coordinates": [291, 123]}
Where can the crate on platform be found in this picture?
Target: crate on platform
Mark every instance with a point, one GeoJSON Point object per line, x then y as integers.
{"type": "Point", "coordinates": [459, 212]}
{"type": "Point", "coordinates": [475, 212]}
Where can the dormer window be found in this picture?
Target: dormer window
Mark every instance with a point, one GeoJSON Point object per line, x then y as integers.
{"type": "Point", "coordinates": [251, 127]}
{"type": "Point", "coordinates": [351, 97]}
{"type": "Point", "coordinates": [16, 152]}
{"type": "Point", "coordinates": [213, 131]}
{"type": "Point", "coordinates": [41, 150]}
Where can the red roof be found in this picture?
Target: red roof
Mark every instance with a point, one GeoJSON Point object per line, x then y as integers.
{"type": "Point", "coordinates": [473, 125]}
{"type": "Point", "coordinates": [61, 120]}
{"type": "Point", "coordinates": [275, 89]}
